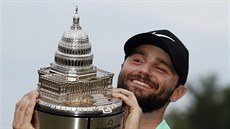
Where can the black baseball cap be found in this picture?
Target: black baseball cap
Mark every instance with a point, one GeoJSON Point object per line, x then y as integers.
{"type": "Point", "coordinates": [167, 41]}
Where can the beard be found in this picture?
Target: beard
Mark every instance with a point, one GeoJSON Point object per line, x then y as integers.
{"type": "Point", "coordinates": [148, 103]}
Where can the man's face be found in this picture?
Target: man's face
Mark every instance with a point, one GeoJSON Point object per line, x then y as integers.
{"type": "Point", "coordinates": [148, 72]}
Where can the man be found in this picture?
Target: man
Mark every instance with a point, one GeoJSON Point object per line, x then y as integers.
{"type": "Point", "coordinates": [153, 75]}
{"type": "Point", "coordinates": [155, 70]}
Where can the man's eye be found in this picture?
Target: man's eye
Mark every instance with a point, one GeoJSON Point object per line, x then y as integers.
{"type": "Point", "coordinates": [161, 70]}
{"type": "Point", "coordinates": [137, 60]}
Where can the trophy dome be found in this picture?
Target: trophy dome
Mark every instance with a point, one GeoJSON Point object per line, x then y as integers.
{"type": "Point", "coordinates": [74, 51]}
{"type": "Point", "coordinates": [75, 34]}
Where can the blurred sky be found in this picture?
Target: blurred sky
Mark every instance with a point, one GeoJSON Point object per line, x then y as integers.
{"type": "Point", "coordinates": [31, 30]}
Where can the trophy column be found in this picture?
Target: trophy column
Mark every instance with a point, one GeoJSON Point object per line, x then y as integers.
{"type": "Point", "coordinates": [74, 94]}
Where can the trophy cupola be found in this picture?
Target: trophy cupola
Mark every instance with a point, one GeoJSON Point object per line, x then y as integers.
{"type": "Point", "coordinates": [76, 20]}
{"type": "Point", "coordinates": [74, 51]}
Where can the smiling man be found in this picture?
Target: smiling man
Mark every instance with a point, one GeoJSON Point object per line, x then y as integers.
{"type": "Point", "coordinates": [155, 70]}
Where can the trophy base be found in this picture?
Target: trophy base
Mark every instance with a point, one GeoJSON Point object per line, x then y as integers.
{"type": "Point", "coordinates": [44, 120]}
{"type": "Point", "coordinates": [48, 119]}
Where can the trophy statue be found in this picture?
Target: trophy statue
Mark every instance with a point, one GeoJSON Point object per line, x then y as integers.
{"type": "Point", "coordinates": [74, 94]}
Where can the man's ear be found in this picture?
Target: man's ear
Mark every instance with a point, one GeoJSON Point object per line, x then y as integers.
{"type": "Point", "coordinates": [178, 93]}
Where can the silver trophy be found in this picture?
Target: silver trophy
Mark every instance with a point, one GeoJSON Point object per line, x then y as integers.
{"type": "Point", "coordinates": [74, 94]}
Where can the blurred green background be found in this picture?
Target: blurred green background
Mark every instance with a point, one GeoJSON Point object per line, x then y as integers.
{"type": "Point", "coordinates": [209, 109]}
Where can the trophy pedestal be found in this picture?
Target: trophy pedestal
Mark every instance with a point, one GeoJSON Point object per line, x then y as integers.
{"type": "Point", "coordinates": [45, 118]}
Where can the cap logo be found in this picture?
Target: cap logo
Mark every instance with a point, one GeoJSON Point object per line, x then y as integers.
{"type": "Point", "coordinates": [165, 36]}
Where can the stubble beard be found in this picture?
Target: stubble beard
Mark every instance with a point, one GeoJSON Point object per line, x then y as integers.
{"type": "Point", "coordinates": [148, 103]}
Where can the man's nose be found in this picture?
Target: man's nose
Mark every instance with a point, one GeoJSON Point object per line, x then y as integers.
{"type": "Point", "coordinates": [145, 69]}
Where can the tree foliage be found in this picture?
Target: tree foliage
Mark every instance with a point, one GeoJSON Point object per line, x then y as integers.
{"type": "Point", "coordinates": [210, 110]}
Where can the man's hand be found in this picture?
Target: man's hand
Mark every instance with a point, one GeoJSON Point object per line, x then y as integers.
{"type": "Point", "coordinates": [24, 111]}
{"type": "Point", "coordinates": [133, 116]}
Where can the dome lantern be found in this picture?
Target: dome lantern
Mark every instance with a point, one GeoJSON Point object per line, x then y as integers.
{"type": "Point", "coordinates": [76, 20]}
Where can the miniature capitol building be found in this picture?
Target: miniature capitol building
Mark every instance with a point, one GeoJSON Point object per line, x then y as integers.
{"type": "Point", "coordinates": [74, 94]}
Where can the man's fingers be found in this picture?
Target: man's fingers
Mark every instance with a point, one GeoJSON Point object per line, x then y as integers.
{"type": "Point", "coordinates": [24, 109]}
{"type": "Point", "coordinates": [30, 108]}
{"type": "Point", "coordinates": [133, 114]}
{"type": "Point", "coordinates": [20, 110]}
{"type": "Point", "coordinates": [127, 96]}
